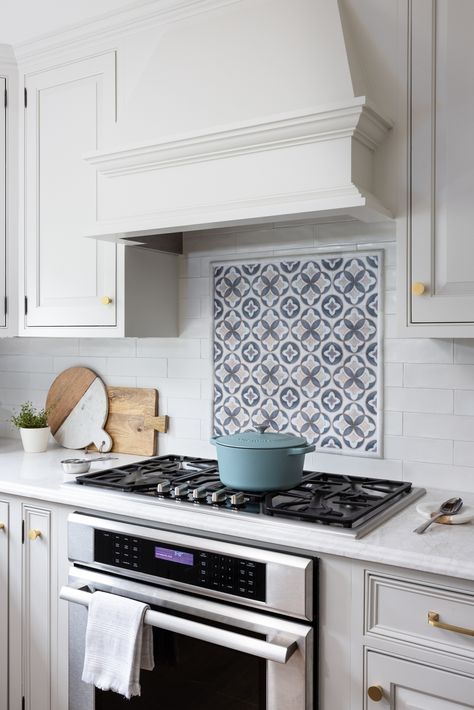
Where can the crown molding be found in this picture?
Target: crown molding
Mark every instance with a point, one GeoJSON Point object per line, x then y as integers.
{"type": "Point", "coordinates": [145, 14]}
{"type": "Point", "coordinates": [355, 118]}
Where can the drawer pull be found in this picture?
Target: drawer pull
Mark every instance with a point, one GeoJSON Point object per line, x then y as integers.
{"type": "Point", "coordinates": [34, 534]}
{"type": "Point", "coordinates": [418, 288]}
{"type": "Point", "coordinates": [433, 620]}
{"type": "Point", "coordinates": [375, 693]}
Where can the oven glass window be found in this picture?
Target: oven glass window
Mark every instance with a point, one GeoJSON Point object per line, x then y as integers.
{"type": "Point", "coordinates": [195, 674]}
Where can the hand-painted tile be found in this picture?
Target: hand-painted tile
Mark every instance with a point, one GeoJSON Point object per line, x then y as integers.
{"type": "Point", "coordinates": [296, 348]}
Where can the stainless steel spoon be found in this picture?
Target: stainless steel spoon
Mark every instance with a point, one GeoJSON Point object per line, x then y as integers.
{"type": "Point", "coordinates": [449, 507]}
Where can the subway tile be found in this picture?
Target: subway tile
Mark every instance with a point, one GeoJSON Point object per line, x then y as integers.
{"type": "Point", "coordinates": [185, 368]}
{"type": "Point", "coordinates": [464, 453]}
{"type": "Point", "coordinates": [189, 268]}
{"type": "Point", "coordinates": [464, 402]}
{"type": "Point", "coordinates": [439, 376]}
{"type": "Point", "coordinates": [189, 308]}
{"type": "Point", "coordinates": [355, 465]}
{"type": "Point", "coordinates": [206, 348]}
{"type": "Point", "coordinates": [359, 232]}
{"type": "Point", "coordinates": [39, 346]}
{"type": "Point", "coordinates": [402, 399]}
{"type": "Point", "coordinates": [185, 428]}
{"type": "Point", "coordinates": [393, 375]}
{"type": "Point", "coordinates": [439, 426]}
{"type": "Point", "coordinates": [26, 380]}
{"type": "Point", "coordinates": [390, 303]}
{"type": "Point", "coordinates": [208, 243]}
{"type": "Point", "coordinates": [94, 363]}
{"type": "Point", "coordinates": [393, 423]}
{"type": "Point", "coordinates": [301, 237]}
{"type": "Point", "coordinates": [464, 351]}
{"type": "Point", "coordinates": [444, 476]}
{"type": "Point", "coordinates": [172, 387]}
{"type": "Point", "coordinates": [107, 347]}
{"type": "Point", "coordinates": [390, 278]}
{"type": "Point", "coordinates": [419, 449]}
{"type": "Point", "coordinates": [419, 350]}
{"type": "Point", "coordinates": [133, 366]}
{"type": "Point", "coordinates": [26, 363]}
{"type": "Point", "coordinates": [195, 327]}
{"type": "Point", "coordinates": [189, 408]}
{"type": "Point", "coordinates": [168, 347]}
{"type": "Point", "coordinates": [390, 326]}
{"type": "Point", "coordinates": [193, 288]}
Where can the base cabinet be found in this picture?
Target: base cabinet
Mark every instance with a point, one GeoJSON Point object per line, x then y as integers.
{"type": "Point", "coordinates": [4, 625]}
{"type": "Point", "coordinates": [404, 685]}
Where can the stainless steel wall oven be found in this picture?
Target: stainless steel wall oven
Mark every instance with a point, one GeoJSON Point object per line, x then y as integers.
{"type": "Point", "coordinates": [234, 626]}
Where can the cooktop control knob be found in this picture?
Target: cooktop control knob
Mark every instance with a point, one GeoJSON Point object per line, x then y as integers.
{"type": "Point", "coordinates": [219, 497]}
{"type": "Point", "coordinates": [181, 491]}
{"type": "Point", "coordinates": [200, 494]}
{"type": "Point", "coordinates": [237, 499]}
{"type": "Point", "coordinates": [163, 487]}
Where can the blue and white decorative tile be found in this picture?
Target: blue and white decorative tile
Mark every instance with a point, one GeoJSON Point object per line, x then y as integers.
{"type": "Point", "coordinates": [296, 347]}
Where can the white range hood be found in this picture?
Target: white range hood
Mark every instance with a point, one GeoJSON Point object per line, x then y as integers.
{"type": "Point", "coordinates": [300, 163]}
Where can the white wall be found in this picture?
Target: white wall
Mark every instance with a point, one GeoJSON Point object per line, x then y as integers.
{"type": "Point", "coordinates": [429, 384]}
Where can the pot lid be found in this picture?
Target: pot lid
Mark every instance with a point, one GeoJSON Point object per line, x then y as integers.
{"type": "Point", "coordinates": [261, 439]}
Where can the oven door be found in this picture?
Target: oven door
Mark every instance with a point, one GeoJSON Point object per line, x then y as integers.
{"type": "Point", "coordinates": [208, 655]}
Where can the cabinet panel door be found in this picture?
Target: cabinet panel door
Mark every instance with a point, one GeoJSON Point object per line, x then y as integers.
{"type": "Point", "coordinates": [69, 110]}
{"type": "Point", "coordinates": [411, 686]}
{"type": "Point", "coordinates": [442, 176]}
{"type": "Point", "coordinates": [37, 615]}
{"type": "Point", "coordinates": [3, 217]}
{"type": "Point", "coordinates": [4, 584]}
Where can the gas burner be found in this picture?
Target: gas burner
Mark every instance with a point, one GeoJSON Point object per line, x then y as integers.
{"type": "Point", "coordinates": [339, 501]}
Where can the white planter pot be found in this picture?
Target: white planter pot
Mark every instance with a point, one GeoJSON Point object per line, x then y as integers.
{"type": "Point", "coordinates": [35, 440]}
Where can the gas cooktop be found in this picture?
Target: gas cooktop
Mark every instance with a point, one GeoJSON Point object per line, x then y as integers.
{"type": "Point", "coordinates": [347, 503]}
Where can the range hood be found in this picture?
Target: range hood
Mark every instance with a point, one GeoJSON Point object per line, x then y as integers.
{"type": "Point", "coordinates": [309, 161]}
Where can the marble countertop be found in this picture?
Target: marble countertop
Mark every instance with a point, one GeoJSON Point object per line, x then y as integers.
{"type": "Point", "coordinates": [444, 549]}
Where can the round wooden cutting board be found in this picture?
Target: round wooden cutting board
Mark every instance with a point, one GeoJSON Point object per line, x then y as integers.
{"type": "Point", "coordinates": [78, 407]}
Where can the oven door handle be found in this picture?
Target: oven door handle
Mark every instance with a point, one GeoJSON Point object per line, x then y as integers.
{"type": "Point", "coordinates": [280, 651]}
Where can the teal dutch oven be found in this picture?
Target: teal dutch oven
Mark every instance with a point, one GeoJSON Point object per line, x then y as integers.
{"type": "Point", "coordinates": [260, 460]}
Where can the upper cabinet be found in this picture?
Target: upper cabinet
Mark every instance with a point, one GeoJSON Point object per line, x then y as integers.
{"type": "Point", "coordinates": [3, 216]}
{"type": "Point", "coordinates": [438, 285]}
{"type": "Point", "coordinates": [74, 285]}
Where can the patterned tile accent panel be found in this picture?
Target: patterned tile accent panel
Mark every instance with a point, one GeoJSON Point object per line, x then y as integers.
{"type": "Point", "coordinates": [296, 345]}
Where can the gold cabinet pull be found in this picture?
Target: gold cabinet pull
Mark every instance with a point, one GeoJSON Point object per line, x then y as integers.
{"type": "Point", "coordinates": [375, 693]}
{"type": "Point", "coordinates": [418, 288]}
{"type": "Point", "coordinates": [34, 534]}
{"type": "Point", "coordinates": [2, 526]}
{"type": "Point", "coordinates": [433, 620]}
{"type": "Point", "coordinates": [106, 300]}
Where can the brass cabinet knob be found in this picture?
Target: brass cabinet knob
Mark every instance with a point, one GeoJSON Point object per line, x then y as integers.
{"type": "Point", "coordinates": [2, 526]}
{"type": "Point", "coordinates": [418, 288]}
{"type": "Point", "coordinates": [34, 534]}
{"type": "Point", "coordinates": [106, 300]}
{"type": "Point", "coordinates": [375, 693]}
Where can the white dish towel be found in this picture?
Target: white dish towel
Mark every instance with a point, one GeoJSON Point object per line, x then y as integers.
{"type": "Point", "coordinates": [118, 644]}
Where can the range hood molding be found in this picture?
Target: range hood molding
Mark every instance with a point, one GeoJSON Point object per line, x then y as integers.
{"type": "Point", "coordinates": [329, 150]}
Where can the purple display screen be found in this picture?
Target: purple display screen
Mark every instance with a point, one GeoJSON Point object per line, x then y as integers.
{"type": "Point", "coordinates": [182, 558]}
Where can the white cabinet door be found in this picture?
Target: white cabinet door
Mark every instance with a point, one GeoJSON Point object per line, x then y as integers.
{"type": "Point", "coordinates": [3, 217]}
{"type": "Point", "coordinates": [37, 615]}
{"type": "Point", "coordinates": [442, 178]}
{"type": "Point", "coordinates": [68, 112]}
{"type": "Point", "coordinates": [4, 583]}
{"type": "Point", "coordinates": [411, 686]}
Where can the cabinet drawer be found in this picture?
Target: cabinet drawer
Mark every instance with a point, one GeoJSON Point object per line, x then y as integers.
{"type": "Point", "coordinates": [398, 609]}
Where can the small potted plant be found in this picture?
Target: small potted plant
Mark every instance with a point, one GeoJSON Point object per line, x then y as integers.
{"type": "Point", "coordinates": [33, 426]}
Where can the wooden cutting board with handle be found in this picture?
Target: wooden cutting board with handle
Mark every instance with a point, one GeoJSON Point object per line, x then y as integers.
{"type": "Point", "coordinates": [77, 405]}
{"type": "Point", "coordinates": [133, 422]}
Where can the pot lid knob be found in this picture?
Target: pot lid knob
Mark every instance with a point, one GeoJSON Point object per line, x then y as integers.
{"type": "Point", "coordinates": [261, 428]}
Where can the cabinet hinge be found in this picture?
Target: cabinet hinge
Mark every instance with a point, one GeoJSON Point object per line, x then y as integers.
{"type": "Point", "coordinates": [23, 540]}
{"type": "Point", "coordinates": [26, 97]}
{"type": "Point", "coordinates": [26, 305]}
{"type": "Point", "coordinates": [5, 98]}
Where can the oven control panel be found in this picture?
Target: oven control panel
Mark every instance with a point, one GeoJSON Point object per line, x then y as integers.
{"type": "Point", "coordinates": [201, 568]}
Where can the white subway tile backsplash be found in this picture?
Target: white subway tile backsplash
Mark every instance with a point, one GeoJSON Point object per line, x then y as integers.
{"type": "Point", "coordinates": [107, 347]}
{"type": "Point", "coordinates": [429, 384]}
{"type": "Point", "coordinates": [439, 426]}
{"type": "Point", "coordinates": [464, 453]}
{"type": "Point", "coordinates": [402, 399]}
{"type": "Point", "coordinates": [424, 350]}
{"type": "Point", "coordinates": [419, 449]}
{"type": "Point", "coordinates": [464, 402]}
{"type": "Point", "coordinates": [442, 376]}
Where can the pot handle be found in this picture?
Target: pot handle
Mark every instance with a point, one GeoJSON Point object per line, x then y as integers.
{"type": "Point", "coordinates": [301, 450]}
